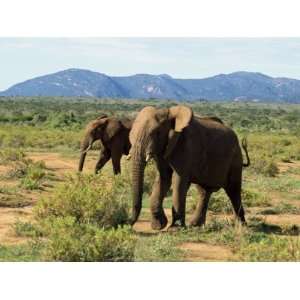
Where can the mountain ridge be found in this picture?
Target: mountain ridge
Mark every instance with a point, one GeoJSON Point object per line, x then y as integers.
{"type": "Point", "coordinates": [239, 86]}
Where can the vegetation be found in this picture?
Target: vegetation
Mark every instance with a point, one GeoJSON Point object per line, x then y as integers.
{"type": "Point", "coordinates": [83, 217]}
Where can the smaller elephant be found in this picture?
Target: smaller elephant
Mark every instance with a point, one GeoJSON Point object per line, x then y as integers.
{"type": "Point", "coordinates": [113, 134]}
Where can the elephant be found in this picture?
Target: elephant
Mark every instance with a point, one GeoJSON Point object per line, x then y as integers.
{"type": "Point", "coordinates": [113, 134]}
{"type": "Point", "coordinates": [187, 149]}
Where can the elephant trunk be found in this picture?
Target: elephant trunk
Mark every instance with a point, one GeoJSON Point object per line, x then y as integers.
{"type": "Point", "coordinates": [138, 168]}
{"type": "Point", "coordinates": [85, 147]}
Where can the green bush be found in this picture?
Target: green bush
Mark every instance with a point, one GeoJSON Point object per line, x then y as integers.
{"type": "Point", "coordinates": [272, 248]}
{"type": "Point", "coordinates": [69, 240]}
{"type": "Point", "coordinates": [34, 175]}
{"type": "Point", "coordinates": [11, 155]}
{"type": "Point", "coordinates": [220, 203]}
{"type": "Point", "coordinates": [28, 252]}
{"type": "Point", "coordinates": [80, 220]}
{"type": "Point", "coordinates": [264, 166]}
{"type": "Point", "coordinates": [161, 247]}
{"type": "Point", "coordinates": [252, 198]}
{"type": "Point", "coordinates": [149, 177]}
{"type": "Point", "coordinates": [27, 229]}
{"type": "Point", "coordinates": [89, 199]}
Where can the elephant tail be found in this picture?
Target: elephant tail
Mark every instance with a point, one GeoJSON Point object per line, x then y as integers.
{"type": "Point", "coordinates": [245, 147]}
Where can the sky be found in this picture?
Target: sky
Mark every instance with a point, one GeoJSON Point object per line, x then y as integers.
{"type": "Point", "coordinates": [25, 58]}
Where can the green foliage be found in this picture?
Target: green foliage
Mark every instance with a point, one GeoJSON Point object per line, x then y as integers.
{"type": "Point", "coordinates": [69, 240]}
{"type": "Point", "coordinates": [81, 219]}
{"type": "Point", "coordinates": [34, 175]}
{"type": "Point", "coordinates": [272, 249]}
{"type": "Point", "coordinates": [149, 176]}
{"type": "Point", "coordinates": [9, 155]}
{"type": "Point", "coordinates": [28, 252]}
{"type": "Point", "coordinates": [88, 199]}
{"type": "Point", "coordinates": [27, 229]}
{"type": "Point", "coordinates": [252, 198]}
{"type": "Point", "coordinates": [264, 166]}
{"type": "Point", "coordinates": [161, 247]}
{"type": "Point", "coordinates": [220, 203]}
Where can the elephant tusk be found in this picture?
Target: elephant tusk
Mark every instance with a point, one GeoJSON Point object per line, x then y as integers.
{"type": "Point", "coordinates": [148, 158]}
{"type": "Point", "coordinates": [87, 149]}
{"type": "Point", "coordinates": [128, 157]}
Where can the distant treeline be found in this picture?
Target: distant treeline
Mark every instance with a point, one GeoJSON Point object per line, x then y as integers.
{"type": "Point", "coordinates": [63, 112]}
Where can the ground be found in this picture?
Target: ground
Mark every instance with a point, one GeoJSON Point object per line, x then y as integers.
{"type": "Point", "coordinates": [62, 164]}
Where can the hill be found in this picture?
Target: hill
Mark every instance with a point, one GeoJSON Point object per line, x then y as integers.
{"type": "Point", "coordinates": [237, 86]}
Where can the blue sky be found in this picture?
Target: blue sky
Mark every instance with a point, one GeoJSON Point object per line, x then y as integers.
{"type": "Point", "coordinates": [24, 58]}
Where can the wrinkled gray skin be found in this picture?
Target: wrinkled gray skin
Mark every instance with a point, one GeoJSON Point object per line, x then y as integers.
{"type": "Point", "coordinates": [186, 149]}
{"type": "Point", "coordinates": [113, 134]}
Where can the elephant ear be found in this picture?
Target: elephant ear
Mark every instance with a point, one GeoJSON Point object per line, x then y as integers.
{"type": "Point", "coordinates": [95, 124]}
{"type": "Point", "coordinates": [182, 116]}
{"type": "Point", "coordinates": [127, 123]}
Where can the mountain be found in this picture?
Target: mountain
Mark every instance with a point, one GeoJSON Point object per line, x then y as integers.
{"type": "Point", "coordinates": [152, 86]}
{"type": "Point", "coordinates": [71, 82]}
{"type": "Point", "coordinates": [234, 86]}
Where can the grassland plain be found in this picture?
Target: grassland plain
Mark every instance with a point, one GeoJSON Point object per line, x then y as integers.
{"type": "Point", "coordinates": [50, 213]}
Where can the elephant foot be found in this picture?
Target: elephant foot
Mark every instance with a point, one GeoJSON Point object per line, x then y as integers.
{"type": "Point", "coordinates": [175, 227]}
{"type": "Point", "coordinates": [159, 223]}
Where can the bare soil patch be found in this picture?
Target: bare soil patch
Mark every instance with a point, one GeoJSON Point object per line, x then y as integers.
{"type": "Point", "coordinates": [284, 166]}
{"type": "Point", "coordinates": [282, 219]}
{"type": "Point", "coordinates": [206, 252]}
{"type": "Point", "coordinates": [8, 216]}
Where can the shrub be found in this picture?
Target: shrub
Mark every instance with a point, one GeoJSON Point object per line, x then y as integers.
{"type": "Point", "coordinates": [88, 199]}
{"type": "Point", "coordinates": [149, 177]}
{"type": "Point", "coordinates": [27, 229]}
{"type": "Point", "coordinates": [11, 155]}
{"type": "Point", "coordinates": [80, 221]}
{"type": "Point", "coordinates": [265, 166]}
{"type": "Point", "coordinates": [69, 240]}
{"type": "Point", "coordinates": [22, 252]}
{"type": "Point", "coordinates": [252, 198]}
{"type": "Point", "coordinates": [272, 248]}
{"type": "Point", "coordinates": [220, 203]}
{"type": "Point", "coordinates": [34, 175]}
{"type": "Point", "coordinates": [161, 247]}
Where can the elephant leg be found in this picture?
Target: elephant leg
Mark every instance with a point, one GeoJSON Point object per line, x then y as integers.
{"type": "Point", "coordinates": [103, 159]}
{"type": "Point", "coordinates": [160, 188]}
{"type": "Point", "coordinates": [199, 216]}
{"type": "Point", "coordinates": [233, 190]}
{"type": "Point", "coordinates": [116, 161]}
{"type": "Point", "coordinates": [180, 188]}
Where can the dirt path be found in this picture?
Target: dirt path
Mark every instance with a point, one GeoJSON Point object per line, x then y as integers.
{"type": "Point", "coordinates": [8, 217]}
{"type": "Point", "coordinates": [284, 166]}
{"type": "Point", "coordinates": [206, 252]}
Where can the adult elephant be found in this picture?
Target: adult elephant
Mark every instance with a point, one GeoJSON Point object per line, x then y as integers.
{"type": "Point", "coordinates": [113, 134]}
{"type": "Point", "coordinates": [199, 150]}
